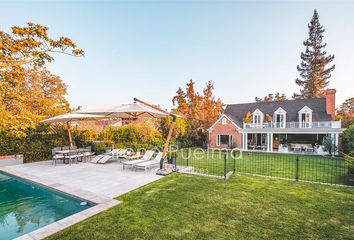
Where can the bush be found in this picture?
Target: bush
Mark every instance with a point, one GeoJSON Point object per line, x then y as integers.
{"type": "Point", "coordinates": [348, 139]}
{"type": "Point", "coordinates": [328, 144]}
{"type": "Point", "coordinates": [99, 147]}
{"type": "Point", "coordinates": [39, 142]}
{"type": "Point", "coordinates": [9, 143]}
{"type": "Point", "coordinates": [84, 138]}
{"type": "Point", "coordinates": [142, 135]}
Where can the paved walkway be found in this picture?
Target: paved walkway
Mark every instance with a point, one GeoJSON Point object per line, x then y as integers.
{"type": "Point", "coordinates": [106, 180]}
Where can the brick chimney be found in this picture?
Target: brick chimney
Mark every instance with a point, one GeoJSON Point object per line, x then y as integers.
{"type": "Point", "coordinates": [331, 102]}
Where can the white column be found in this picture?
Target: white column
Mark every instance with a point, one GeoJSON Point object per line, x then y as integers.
{"type": "Point", "coordinates": [243, 141]}
{"type": "Point", "coordinates": [336, 142]}
{"type": "Point", "coordinates": [271, 142]}
{"type": "Point", "coordinates": [268, 142]}
{"type": "Point", "coordinates": [246, 141]}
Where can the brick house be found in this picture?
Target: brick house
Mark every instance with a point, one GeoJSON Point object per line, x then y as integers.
{"type": "Point", "coordinates": [285, 126]}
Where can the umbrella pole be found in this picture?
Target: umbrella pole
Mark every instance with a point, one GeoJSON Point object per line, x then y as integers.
{"type": "Point", "coordinates": [165, 148]}
{"type": "Point", "coordinates": [69, 134]}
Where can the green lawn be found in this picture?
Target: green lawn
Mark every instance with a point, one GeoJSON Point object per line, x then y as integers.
{"type": "Point", "coordinates": [244, 207]}
{"type": "Point", "coordinates": [310, 167]}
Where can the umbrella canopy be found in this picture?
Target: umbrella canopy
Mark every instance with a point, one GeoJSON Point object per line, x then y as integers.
{"type": "Point", "coordinates": [132, 110]}
{"type": "Point", "coordinates": [68, 117]}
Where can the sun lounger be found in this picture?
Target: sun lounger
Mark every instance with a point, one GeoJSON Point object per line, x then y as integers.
{"type": "Point", "coordinates": [148, 164]}
{"type": "Point", "coordinates": [96, 158]}
{"type": "Point", "coordinates": [104, 159]}
{"type": "Point", "coordinates": [147, 156]}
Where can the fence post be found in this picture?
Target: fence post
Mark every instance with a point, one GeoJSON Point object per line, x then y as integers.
{"type": "Point", "coordinates": [175, 163]}
{"type": "Point", "coordinates": [187, 156]}
{"type": "Point", "coordinates": [297, 168]}
{"type": "Point", "coordinates": [225, 165]}
{"type": "Point", "coordinates": [234, 158]}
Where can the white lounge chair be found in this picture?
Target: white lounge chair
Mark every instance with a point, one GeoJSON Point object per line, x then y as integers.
{"type": "Point", "coordinates": [104, 159]}
{"type": "Point", "coordinates": [96, 158]}
{"type": "Point", "coordinates": [147, 156]}
{"type": "Point", "coordinates": [148, 164]}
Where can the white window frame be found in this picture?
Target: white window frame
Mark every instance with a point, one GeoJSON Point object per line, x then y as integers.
{"type": "Point", "coordinates": [258, 115]}
{"type": "Point", "coordinates": [218, 139]}
{"type": "Point", "coordinates": [281, 112]}
{"type": "Point", "coordinates": [223, 121]}
{"type": "Point", "coordinates": [308, 115]}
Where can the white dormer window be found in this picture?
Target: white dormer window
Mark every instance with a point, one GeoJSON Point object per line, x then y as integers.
{"type": "Point", "coordinates": [305, 117]}
{"type": "Point", "coordinates": [279, 118]}
{"type": "Point", "coordinates": [258, 117]}
{"type": "Point", "coordinates": [223, 121]}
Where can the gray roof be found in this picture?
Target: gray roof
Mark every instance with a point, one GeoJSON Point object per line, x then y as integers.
{"type": "Point", "coordinates": [318, 105]}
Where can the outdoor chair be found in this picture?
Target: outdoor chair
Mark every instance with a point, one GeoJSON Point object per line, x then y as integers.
{"type": "Point", "coordinates": [88, 153]}
{"type": "Point", "coordinates": [104, 159]}
{"type": "Point", "coordinates": [297, 149]}
{"type": "Point", "coordinates": [73, 148]}
{"type": "Point", "coordinates": [96, 158]}
{"type": "Point", "coordinates": [147, 156]}
{"type": "Point", "coordinates": [56, 156]}
{"type": "Point", "coordinates": [72, 156]}
{"type": "Point", "coordinates": [149, 164]}
{"type": "Point", "coordinates": [309, 150]}
{"type": "Point", "coordinates": [132, 156]}
{"type": "Point", "coordinates": [66, 148]}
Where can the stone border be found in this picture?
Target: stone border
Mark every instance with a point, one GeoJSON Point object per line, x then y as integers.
{"type": "Point", "coordinates": [103, 203]}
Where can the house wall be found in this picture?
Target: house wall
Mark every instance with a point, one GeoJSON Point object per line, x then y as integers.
{"type": "Point", "coordinates": [220, 129]}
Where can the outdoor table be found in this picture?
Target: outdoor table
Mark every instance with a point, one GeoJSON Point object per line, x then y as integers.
{"type": "Point", "coordinates": [65, 153]}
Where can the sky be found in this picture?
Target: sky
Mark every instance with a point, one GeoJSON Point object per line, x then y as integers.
{"type": "Point", "coordinates": [149, 49]}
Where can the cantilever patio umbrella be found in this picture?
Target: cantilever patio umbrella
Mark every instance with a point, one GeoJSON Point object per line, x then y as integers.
{"type": "Point", "coordinates": [138, 109]}
{"type": "Point", "coordinates": [69, 117]}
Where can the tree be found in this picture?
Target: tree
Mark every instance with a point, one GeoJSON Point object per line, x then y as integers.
{"type": "Point", "coordinates": [248, 118]}
{"type": "Point", "coordinates": [200, 110]}
{"type": "Point", "coordinates": [272, 97]}
{"type": "Point", "coordinates": [32, 45]}
{"type": "Point", "coordinates": [345, 112]}
{"type": "Point", "coordinates": [348, 139]}
{"type": "Point", "coordinates": [314, 70]}
{"type": "Point", "coordinates": [329, 145]}
{"type": "Point", "coordinates": [28, 91]}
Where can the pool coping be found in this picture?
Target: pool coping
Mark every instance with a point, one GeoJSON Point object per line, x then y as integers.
{"type": "Point", "coordinates": [102, 203]}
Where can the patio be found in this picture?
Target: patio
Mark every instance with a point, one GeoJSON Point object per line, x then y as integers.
{"type": "Point", "coordinates": [105, 180]}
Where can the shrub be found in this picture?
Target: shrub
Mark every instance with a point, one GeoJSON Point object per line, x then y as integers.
{"type": "Point", "coordinates": [99, 147]}
{"type": "Point", "coordinates": [348, 139]}
{"type": "Point", "coordinates": [84, 138]}
{"type": "Point", "coordinates": [39, 141]}
{"type": "Point", "coordinates": [9, 143]}
{"type": "Point", "coordinates": [328, 144]}
{"type": "Point", "coordinates": [142, 135]}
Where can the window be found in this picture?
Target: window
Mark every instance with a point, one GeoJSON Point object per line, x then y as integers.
{"type": "Point", "coordinates": [305, 117]}
{"type": "Point", "coordinates": [258, 118]}
{"type": "Point", "coordinates": [224, 140]}
{"type": "Point", "coordinates": [280, 118]}
{"type": "Point", "coordinates": [223, 121]}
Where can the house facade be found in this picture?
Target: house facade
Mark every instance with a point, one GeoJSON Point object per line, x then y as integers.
{"type": "Point", "coordinates": [283, 126]}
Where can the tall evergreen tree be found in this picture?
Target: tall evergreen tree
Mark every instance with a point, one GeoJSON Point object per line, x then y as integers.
{"type": "Point", "coordinates": [314, 70]}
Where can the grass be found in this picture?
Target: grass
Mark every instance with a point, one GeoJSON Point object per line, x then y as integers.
{"type": "Point", "coordinates": [310, 167]}
{"type": "Point", "coordinates": [183, 206]}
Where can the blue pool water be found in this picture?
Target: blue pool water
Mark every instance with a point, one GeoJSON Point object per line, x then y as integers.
{"type": "Point", "coordinates": [25, 206]}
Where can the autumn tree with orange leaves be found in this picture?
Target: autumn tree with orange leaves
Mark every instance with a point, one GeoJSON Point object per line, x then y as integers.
{"type": "Point", "coordinates": [28, 91]}
{"type": "Point", "coordinates": [200, 109]}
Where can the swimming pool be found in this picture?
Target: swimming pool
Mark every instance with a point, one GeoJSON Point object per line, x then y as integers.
{"type": "Point", "coordinates": [26, 206]}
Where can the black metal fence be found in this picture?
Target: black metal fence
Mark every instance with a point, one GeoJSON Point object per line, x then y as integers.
{"type": "Point", "coordinates": [299, 167]}
{"type": "Point", "coordinates": [206, 163]}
